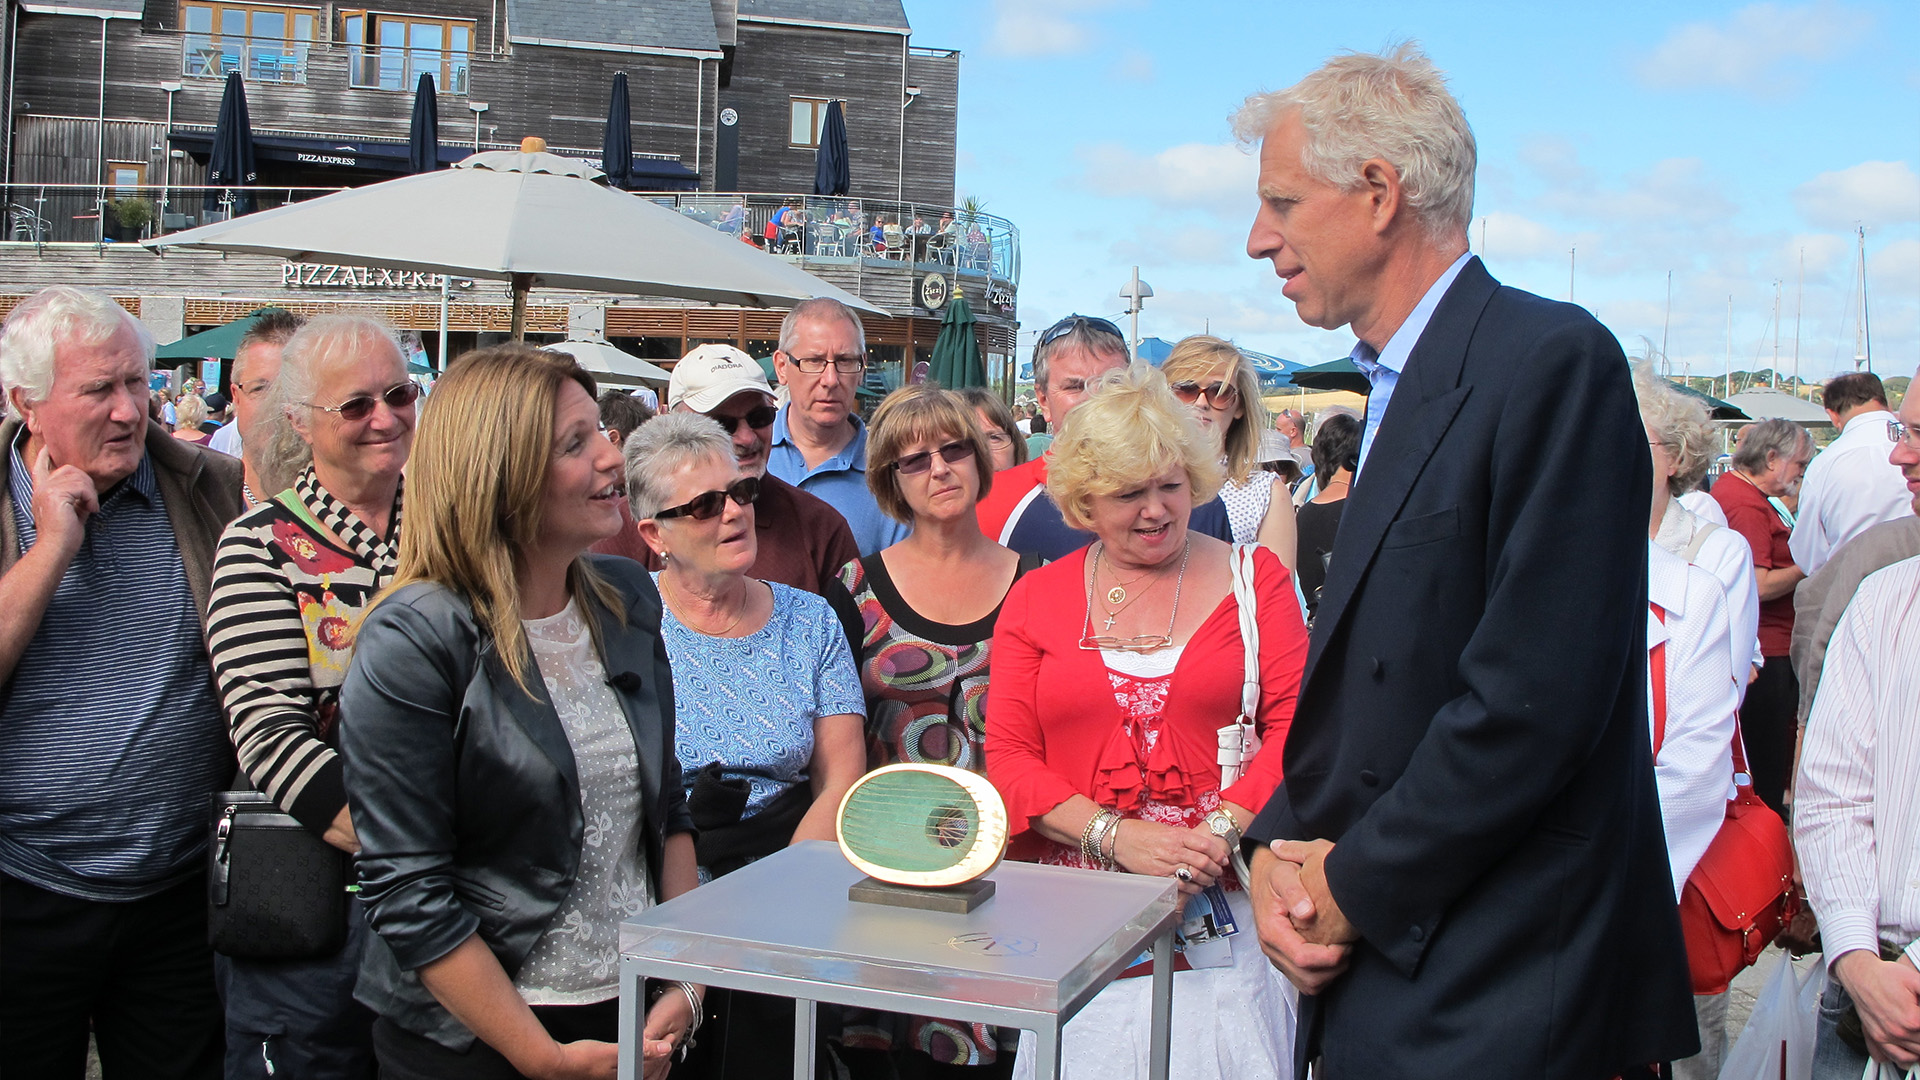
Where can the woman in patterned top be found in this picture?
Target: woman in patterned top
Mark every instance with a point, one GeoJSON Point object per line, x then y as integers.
{"type": "Point", "coordinates": [291, 579]}
{"type": "Point", "coordinates": [1210, 375]}
{"type": "Point", "coordinates": [929, 603]}
{"type": "Point", "coordinates": [768, 707]}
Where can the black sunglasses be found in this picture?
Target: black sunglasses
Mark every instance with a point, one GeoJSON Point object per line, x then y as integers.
{"type": "Point", "coordinates": [1217, 393]}
{"type": "Point", "coordinates": [1074, 322]}
{"type": "Point", "coordinates": [359, 407]}
{"type": "Point", "coordinates": [757, 417]}
{"type": "Point", "coordinates": [953, 454]}
{"type": "Point", "coordinates": [708, 504]}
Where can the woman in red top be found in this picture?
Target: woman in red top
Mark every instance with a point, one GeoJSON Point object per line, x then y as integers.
{"type": "Point", "coordinates": [1768, 464]}
{"type": "Point", "coordinates": [1113, 671]}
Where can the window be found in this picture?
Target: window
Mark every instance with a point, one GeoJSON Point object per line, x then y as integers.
{"type": "Point", "coordinates": [390, 52]}
{"type": "Point", "coordinates": [126, 177]}
{"type": "Point", "coordinates": [265, 43]}
{"type": "Point", "coordinates": [809, 117]}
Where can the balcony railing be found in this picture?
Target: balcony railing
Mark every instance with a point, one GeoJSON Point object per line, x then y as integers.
{"type": "Point", "coordinates": [395, 67]}
{"type": "Point", "coordinates": [264, 60]}
{"type": "Point", "coordinates": [812, 230]}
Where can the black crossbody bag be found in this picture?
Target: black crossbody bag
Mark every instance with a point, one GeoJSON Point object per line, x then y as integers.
{"type": "Point", "coordinates": [275, 891]}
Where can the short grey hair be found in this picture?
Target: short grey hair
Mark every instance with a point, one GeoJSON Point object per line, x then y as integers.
{"type": "Point", "coordinates": [1086, 336]}
{"type": "Point", "coordinates": [1680, 422]}
{"type": "Point", "coordinates": [1359, 106]}
{"type": "Point", "coordinates": [54, 316]}
{"type": "Point", "coordinates": [1770, 439]}
{"type": "Point", "coordinates": [820, 307]}
{"type": "Point", "coordinates": [284, 455]}
{"type": "Point", "coordinates": [659, 448]}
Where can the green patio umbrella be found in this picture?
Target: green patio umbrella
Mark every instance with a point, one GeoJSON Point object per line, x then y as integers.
{"type": "Point", "coordinates": [1341, 374]}
{"type": "Point", "coordinates": [217, 343]}
{"type": "Point", "coordinates": [956, 352]}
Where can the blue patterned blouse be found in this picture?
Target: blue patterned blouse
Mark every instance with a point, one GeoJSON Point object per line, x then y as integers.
{"type": "Point", "coordinates": [750, 703]}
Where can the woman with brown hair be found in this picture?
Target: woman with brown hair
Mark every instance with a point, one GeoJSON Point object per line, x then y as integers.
{"type": "Point", "coordinates": [508, 740]}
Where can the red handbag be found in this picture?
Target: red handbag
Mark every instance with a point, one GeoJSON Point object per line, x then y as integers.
{"type": "Point", "coordinates": [1740, 895]}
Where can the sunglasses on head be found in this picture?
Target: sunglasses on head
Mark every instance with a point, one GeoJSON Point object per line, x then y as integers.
{"type": "Point", "coordinates": [953, 454]}
{"type": "Point", "coordinates": [1074, 322]}
{"type": "Point", "coordinates": [708, 504]}
{"type": "Point", "coordinates": [757, 417]}
{"type": "Point", "coordinates": [1216, 393]}
{"type": "Point", "coordinates": [360, 406]}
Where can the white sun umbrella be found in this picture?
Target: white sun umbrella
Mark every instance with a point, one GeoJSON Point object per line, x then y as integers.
{"type": "Point", "coordinates": [1774, 405]}
{"type": "Point", "coordinates": [610, 364]}
{"type": "Point", "coordinates": [525, 217]}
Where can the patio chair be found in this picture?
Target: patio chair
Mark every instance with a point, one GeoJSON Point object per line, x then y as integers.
{"type": "Point", "coordinates": [25, 224]}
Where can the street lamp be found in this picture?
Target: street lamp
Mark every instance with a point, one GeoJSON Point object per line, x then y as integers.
{"type": "Point", "coordinates": [476, 107]}
{"type": "Point", "coordinates": [1135, 293]}
{"type": "Point", "coordinates": [166, 161]}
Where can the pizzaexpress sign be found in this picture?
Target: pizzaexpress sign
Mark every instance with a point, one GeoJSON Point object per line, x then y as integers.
{"type": "Point", "coordinates": [330, 276]}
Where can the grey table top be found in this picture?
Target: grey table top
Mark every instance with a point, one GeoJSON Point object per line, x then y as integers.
{"type": "Point", "coordinates": [1048, 938]}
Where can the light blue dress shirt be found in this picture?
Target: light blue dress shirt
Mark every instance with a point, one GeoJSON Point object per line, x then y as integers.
{"type": "Point", "coordinates": [840, 481]}
{"type": "Point", "coordinates": [1384, 367]}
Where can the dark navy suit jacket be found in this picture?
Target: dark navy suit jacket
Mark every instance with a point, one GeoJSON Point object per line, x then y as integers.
{"type": "Point", "coordinates": [1472, 729]}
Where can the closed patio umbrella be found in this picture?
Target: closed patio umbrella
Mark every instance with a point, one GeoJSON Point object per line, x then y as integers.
{"type": "Point", "coordinates": [525, 217]}
{"type": "Point", "coordinates": [956, 352]}
{"type": "Point", "coordinates": [831, 170]}
{"type": "Point", "coordinates": [230, 165]}
{"type": "Point", "coordinates": [423, 136]}
{"type": "Point", "coordinates": [616, 146]}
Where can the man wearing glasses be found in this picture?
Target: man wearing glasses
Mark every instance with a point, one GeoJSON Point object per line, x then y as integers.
{"type": "Point", "coordinates": [1018, 512]}
{"type": "Point", "coordinates": [803, 542]}
{"type": "Point", "coordinates": [819, 440]}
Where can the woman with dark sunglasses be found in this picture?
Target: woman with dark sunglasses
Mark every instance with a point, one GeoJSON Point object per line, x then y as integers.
{"type": "Point", "coordinates": [1216, 381]}
{"type": "Point", "coordinates": [767, 702]}
{"type": "Point", "coordinates": [291, 580]}
{"type": "Point", "coordinates": [928, 605]}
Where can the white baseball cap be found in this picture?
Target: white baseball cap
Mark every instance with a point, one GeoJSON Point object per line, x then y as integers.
{"type": "Point", "coordinates": [711, 374]}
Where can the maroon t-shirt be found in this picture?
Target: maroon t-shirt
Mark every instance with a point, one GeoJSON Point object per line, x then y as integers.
{"type": "Point", "coordinates": [1754, 518]}
{"type": "Point", "coordinates": [803, 541]}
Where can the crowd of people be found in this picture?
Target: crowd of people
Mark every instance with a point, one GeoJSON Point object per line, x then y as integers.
{"type": "Point", "coordinates": [535, 658]}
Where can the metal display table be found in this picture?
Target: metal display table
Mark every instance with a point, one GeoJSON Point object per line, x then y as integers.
{"type": "Point", "coordinates": [1030, 957]}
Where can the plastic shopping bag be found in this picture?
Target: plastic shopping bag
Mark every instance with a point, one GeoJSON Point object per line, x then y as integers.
{"type": "Point", "coordinates": [1778, 1041]}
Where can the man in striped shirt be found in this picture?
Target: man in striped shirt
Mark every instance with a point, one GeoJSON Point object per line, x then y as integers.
{"type": "Point", "coordinates": [1856, 817]}
{"type": "Point", "coordinates": [111, 736]}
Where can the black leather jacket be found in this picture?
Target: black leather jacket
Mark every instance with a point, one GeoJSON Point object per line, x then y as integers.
{"type": "Point", "coordinates": [463, 788]}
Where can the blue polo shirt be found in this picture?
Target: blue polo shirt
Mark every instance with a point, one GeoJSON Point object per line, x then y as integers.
{"type": "Point", "coordinates": [840, 481]}
{"type": "Point", "coordinates": [111, 737]}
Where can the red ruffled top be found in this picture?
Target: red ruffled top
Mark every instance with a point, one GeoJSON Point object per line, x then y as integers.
{"type": "Point", "coordinates": [1055, 728]}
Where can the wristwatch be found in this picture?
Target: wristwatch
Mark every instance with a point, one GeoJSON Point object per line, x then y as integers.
{"type": "Point", "coordinates": [1220, 823]}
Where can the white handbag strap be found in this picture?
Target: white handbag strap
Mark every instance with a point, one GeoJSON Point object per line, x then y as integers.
{"type": "Point", "coordinates": [1249, 629]}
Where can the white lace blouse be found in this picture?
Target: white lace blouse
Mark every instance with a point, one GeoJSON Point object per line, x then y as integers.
{"type": "Point", "coordinates": [577, 960]}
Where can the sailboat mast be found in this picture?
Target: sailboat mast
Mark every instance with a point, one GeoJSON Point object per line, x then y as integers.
{"type": "Point", "coordinates": [1862, 347]}
{"type": "Point", "coordinates": [1666, 324]}
{"type": "Point", "coordinates": [1799, 291]}
{"type": "Point", "coordinates": [1774, 380]}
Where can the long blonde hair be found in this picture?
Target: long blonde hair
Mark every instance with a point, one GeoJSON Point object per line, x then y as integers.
{"type": "Point", "coordinates": [475, 484]}
{"type": "Point", "coordinates": [1197, 356]}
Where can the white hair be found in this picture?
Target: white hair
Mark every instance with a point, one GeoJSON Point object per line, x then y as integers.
{"type": "Point", "coordinates": [819, 307]}
{"type": "Point", "coordinates": [283, 453]}
{"type": "Point", "coordinates": [1396, 107]}
{"type": "Point", "coordinates": [54, 316]}
{"type": "Point", "coordinates": [659, 448]}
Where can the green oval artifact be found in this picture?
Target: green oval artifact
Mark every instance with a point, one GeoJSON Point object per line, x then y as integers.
{"type": "Point", "coordinates": [926, 825]}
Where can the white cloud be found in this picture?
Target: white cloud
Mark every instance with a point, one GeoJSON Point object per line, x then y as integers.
{"type": "Point", "coordinates": [1761, 48]}
{"type": "Point", "coordinates": [1156, 244]}
{"type": "Point", "coordinates": [1872, 192]}
{"type": "Point", "coordinates": [1511, 237]}
{"type": "Point", "coordinates": [1195, 176]}
{"type": "Point", "coordinates": [1043, 27]}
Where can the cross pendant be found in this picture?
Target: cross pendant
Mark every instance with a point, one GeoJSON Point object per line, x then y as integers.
{"type": "Point", "coordinates": [1110, 619]}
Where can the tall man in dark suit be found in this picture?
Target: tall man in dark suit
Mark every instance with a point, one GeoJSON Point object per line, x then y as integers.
{"type": "Point", "coordinates": [1466, 874]}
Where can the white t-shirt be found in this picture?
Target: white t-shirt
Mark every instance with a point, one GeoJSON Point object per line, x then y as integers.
{"type": "Point", "coordinates": [1850, 487]}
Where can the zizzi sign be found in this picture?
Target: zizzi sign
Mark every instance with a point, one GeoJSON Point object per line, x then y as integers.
{"type": "Point", "coordinates": [329, 276]}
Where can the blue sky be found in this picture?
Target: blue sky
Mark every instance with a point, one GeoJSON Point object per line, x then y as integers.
{"type": "Point", "coordinates": [1718, 141]}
